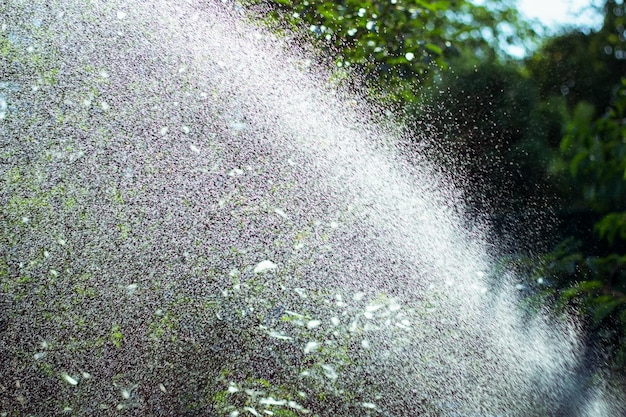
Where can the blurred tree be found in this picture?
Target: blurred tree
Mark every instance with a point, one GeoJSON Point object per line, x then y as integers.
{"type": "Point", "coordinates": [581, 70]}
{"type": "Point", "coordinates": [581, 116]}
{"type": "Point", "coordinates": [584, 65]}
{"type": "Point", "coordinates": [577, 74]}
{"type": "Point", "coordinates": [594, 151]}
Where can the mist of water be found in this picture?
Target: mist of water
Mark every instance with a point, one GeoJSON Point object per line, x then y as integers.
{"type": "Point", "coordinates": [195, 222]}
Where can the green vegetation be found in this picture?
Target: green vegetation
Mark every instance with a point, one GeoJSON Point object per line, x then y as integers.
{"type": "Point", "coordinates": [398, 46]}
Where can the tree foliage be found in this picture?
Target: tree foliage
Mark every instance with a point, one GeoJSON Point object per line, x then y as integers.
{"type": "Point", "coordinates": [581, 65]}
{"type": "Point", "coordinates": [595, 153]}
{"type": "Point", "coordinates": [397, 43]}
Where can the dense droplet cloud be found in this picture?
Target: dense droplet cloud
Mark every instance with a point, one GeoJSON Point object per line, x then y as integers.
{"type": "Point", "coordinates": [195, 221]}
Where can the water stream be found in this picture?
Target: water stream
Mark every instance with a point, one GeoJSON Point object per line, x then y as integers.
{"type": "Point", "coordinates": [196, 222]}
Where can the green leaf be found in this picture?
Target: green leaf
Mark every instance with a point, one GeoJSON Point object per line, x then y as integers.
{"type": "Point", "coordinates": [605, 305]}
{"type": "Point", "coordinates": [612, 227]}
{"type": "Point", "coordinates": [581, 288]}
{"type": "Point", "coordinates": [116, 336]}
{"type": "Point", "coordinates": [434, 48]}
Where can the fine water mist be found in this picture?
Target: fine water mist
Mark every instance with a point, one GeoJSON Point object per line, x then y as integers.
{"type": "Point", "coordinates": [196, 222]}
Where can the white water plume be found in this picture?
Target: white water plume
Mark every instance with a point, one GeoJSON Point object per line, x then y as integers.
{"type": "Point", "coordinates": [197, 222]}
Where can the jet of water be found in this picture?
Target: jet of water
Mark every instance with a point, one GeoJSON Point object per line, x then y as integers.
{"type": "Point", "coordinates": [196, 221]}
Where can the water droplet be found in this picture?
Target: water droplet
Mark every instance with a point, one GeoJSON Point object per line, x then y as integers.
{"type": "Point", "coordinates": [272, 401]}
{"type": "Point", "coordinates": [194, 149]}
{"type": "Point", "coordinates": [410, 56]}
{"type": "Point", "coordinates": [163, 130]}
{"type": "Point", "coordinates": [238, 126]}
{"type": "Point", "coordinates": [329, 372]}
{"type": "Point", "coordinates": [312, 324]}
{"type": "Point", "coordinates": [296, 406]}
{"type": "Point", "coordinates": [281, 213]}
{"type": "Point", "coordinates": [373, 307]}
{"type": "Point", "coordinates": [252, 411]}
{"type": "Point", "coordinates": [67, 378]}
{"type": "Point", "coordinates": [279, 335]}
{"type": "Point", "coordinates": [264, 266]}
{"type": "Point", "coordinates": [131, 288]}
{"type": "Point", "coordinates": [311, 347]}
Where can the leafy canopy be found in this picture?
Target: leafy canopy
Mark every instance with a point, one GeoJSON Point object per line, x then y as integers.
{"type": "Point", "coordinates": [395, 43]}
